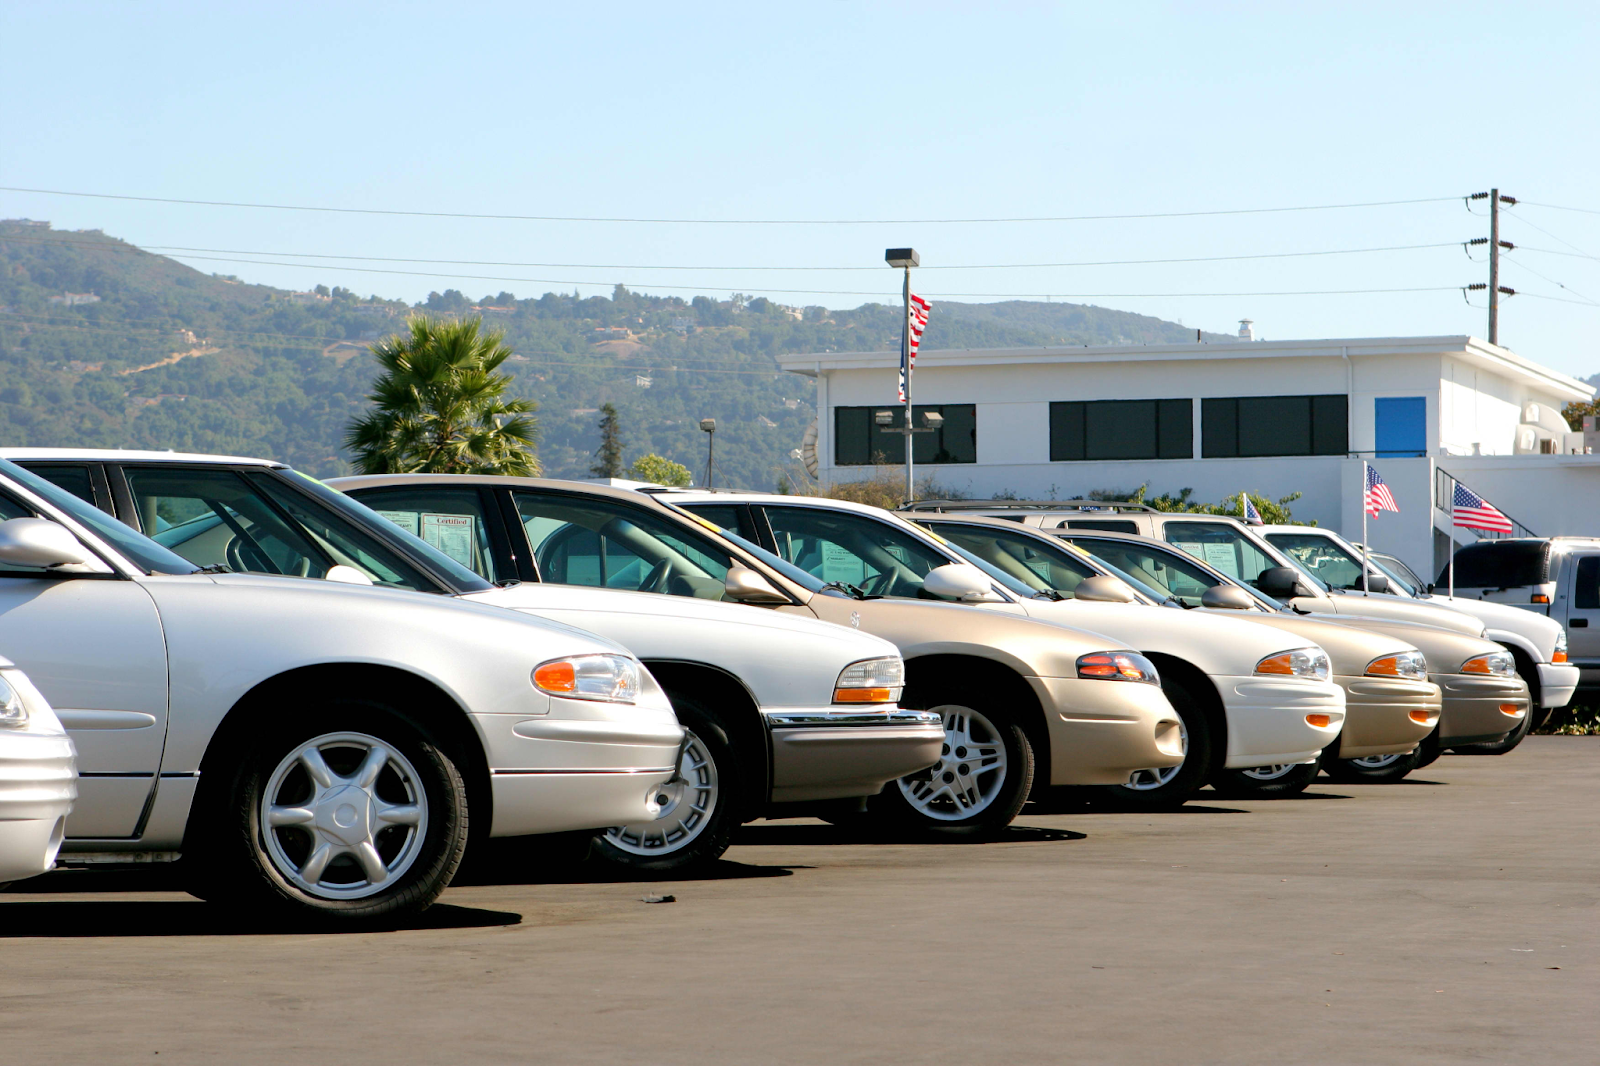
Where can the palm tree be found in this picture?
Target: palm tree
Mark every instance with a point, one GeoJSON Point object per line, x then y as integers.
{"type": "Point", "coordinates": [440, 406]}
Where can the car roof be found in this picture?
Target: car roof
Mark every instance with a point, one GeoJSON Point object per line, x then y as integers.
{"type": "Point", "coordinates": [372, 481]}
{"type": "Point", "coordinates": [114, 455]}
{"type": "Point", "coordinates": [688, 496]}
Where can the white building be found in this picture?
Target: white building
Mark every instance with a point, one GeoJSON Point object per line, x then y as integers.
{"type": "Point", "coordinates": [1271, 417]}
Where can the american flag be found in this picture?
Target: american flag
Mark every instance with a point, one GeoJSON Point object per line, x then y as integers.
{"type": "Point", "coordinates": [1472, 511]}
{"type": "Point", "coordinates": [1379, 498]}
{"type": "Point", "coordinates": [916, 322]}
{"type": "Point", "coordinates": [1251, 515]}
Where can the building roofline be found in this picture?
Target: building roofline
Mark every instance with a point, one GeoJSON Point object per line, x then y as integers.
{"type": "Point", "coordinates": [1473, 349]}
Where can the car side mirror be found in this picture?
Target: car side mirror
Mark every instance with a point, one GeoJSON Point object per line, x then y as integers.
{"type": "Point", "coordinates": [1377, 583]}
{"type": "Point", "coordinates": [961, 582]}
{"type": "Point", "coordinates": [348, 574]}
{"type": "Point", "coordinates": [1283, 583]}
{"type": "Point", "coordinates": [38, 542]}
{"type": "Point", "coordinates": [1227, 598]}
{"type": "Point", "coordinates": [744, 585]}
{"type": "Point", "coordinates": [1103, 588]}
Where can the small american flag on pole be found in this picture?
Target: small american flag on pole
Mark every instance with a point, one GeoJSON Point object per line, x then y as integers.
{"type": "Point", "coordinates": [1378, 497]}
{"type": "Point", "coordinates": [1471, 511]}
{"type": "Point", "coordinates": [1251, 515]}
{"type": "Point", "coordinates": [916, 322]}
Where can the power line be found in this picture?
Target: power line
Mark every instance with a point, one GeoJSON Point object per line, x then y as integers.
{"type": "Point", "coordinates": [1548, 278]}
{"type": "Point", "coordinates": [723, 221]}
{"type": "Point", "coordinates": [1558, 207]}
{"type": "Point", "coordinates": [174, 248]}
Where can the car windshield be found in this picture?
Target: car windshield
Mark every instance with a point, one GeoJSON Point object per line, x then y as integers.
{"type": "Point", "coordinates": [134, 546]}
{"type": "Point", "coordinates": [1399, 574]}
{"type": "Point", "coordinates": [1222, 546]}
{"type": "Point", "coordinates": [1028, 557]}
{"type": "Point", "coordinates": [788, 570]}
{"type": "Point", "coordinates": [1183, 579]}
{"type": "Point", "coordinates": [1320, 557]}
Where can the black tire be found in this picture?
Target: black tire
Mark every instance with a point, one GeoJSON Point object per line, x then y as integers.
{"type": "Point", "coordinates": [1266, 782]}
{"type": "Point", "coordinates": [704, 804]}
{"type": "Point", "coordinates": [243, 860]}
{"type": "Point", "coordinates": [1155, 790]}
{"type": "Point", "coordinates": [1376, 769]}
{"type": "Point", "coordinates": [981, 781]}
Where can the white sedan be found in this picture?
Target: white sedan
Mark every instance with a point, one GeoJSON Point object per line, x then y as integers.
{"type": "Point", "coordinates": [38, 781]}
{"type": "Point", "coordinates": [310, 746]}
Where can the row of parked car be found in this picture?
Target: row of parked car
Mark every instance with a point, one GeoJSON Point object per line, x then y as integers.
{"type": "Point", "coordinates": [316, 697]}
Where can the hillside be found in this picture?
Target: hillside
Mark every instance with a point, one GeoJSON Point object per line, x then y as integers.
{"type": "Point", "coordinates": [105, 345]}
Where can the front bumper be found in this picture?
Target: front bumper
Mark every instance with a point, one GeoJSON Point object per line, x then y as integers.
{"type": "Point", "coordinates": [551, 775]}
{"type": "Point", "coordinates": [1557, 683]}
{"type": "Point", "coordinates": [840, 753]}
{"type": "Point", "coordinates": [1102, 731]}
{"type": "Point", "coordinates": [1472, 712]}
{"type": "Point", "coordinates": [1267, 719]}
{"type": "Point", "coordinates": [38, 782]}
{"type": "Point", "coordinates": [1377, 714]}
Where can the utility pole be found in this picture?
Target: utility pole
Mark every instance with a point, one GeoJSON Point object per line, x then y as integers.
{"type": "Point", "coordinates": [906, 258]}
{"type": "Point", "coordinates": [1496, 290]}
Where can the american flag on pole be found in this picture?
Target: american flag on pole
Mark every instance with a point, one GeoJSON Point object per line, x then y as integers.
{"type": "Point", "coordinates": [1379, 498]}
{"type": "Point", "coordinates": [1472, 511]}
{"type": "Point", "coordinates": [1251, 515]}
{"type": "Point", "coordinates": [916, 322]}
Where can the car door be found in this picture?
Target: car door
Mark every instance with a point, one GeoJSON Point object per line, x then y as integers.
{"type": "Point", "coordinates": [1583, 616]}
{"type": "Point", "coordinates": [92, 644]}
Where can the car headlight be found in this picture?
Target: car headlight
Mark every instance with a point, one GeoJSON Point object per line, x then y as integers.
{"type": "Point", "coordinates": [612, 678]}
{"type": "Point", "coordinates": [871, 681]}
{"type": "Point", "coordinates": [1408, 664]}
{"type": "Point", "coordinates": [1496, 664]}
{"type": "Point", "coordinates": [1118, 666]}
{"type": "Point", "coordinates": [1309, 663]}
{"type": "Point", "coordinates": [1560, 655]}
{"type": "Point", "coordinates": [12, 712]}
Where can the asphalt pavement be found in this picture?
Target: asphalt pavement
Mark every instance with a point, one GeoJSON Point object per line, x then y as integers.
{"type": "Point", "coordinates": [1448, 919]}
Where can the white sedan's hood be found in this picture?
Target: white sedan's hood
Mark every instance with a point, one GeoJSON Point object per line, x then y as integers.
{"type": "Point", "coordinates": [1218, 646]}
{"type": "Point", "coordinates": [1391, 608]}
{"type": "Point", "coordinates": [1504, 620]}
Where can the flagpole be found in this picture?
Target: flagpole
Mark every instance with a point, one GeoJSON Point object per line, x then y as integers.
{"type": "Point", "coordinates": [1366, 481]}
{"type": "Point", "coordinates": [905, 361]}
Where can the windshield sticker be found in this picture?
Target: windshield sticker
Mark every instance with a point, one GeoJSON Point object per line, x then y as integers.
{"type": "Point", "coordinates": [406, 520]}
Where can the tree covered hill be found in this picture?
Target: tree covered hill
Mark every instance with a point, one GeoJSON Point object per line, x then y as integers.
{"type": "Point", "coordinates": [105, 345]}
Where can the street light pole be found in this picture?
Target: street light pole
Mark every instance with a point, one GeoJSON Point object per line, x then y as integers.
{"type": "Point", "coordinates": [710, 427]}
{"type": "Point", "coordinates": [906, 258]}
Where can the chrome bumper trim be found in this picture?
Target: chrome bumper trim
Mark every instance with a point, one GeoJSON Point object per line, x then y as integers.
{"type": "Point", "coordinates": [900, 716]}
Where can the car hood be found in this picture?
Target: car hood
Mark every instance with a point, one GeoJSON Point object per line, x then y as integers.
{"type": "Point", "coordinates": [1218, 646]}
{"type": "Point", "coordinates": [1445, 649]}
{"type": "Point", "coordinates": [1379, 605]}
{"type": "Point", "coordinates": [1350, 649]}
{"type": "Point", "coordinates": [1504, 620]}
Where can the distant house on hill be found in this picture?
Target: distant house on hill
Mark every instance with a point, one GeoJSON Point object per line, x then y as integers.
{"type": "Point", "coordinates": [35, 223]}
{"type": "Point", "coordinates": [307, 298]}
{"type": "Point", "coordinates": [73, 299]}
{"type": "Point", "coordinates": [611, 333]}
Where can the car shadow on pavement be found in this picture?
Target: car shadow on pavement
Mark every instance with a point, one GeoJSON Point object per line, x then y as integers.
{"type": "Point", "coordinates": [511, 871]}
{"type": "Point", "coordinates": [770, 834]}
{"type": "Point", "coordinates": [115, 918]}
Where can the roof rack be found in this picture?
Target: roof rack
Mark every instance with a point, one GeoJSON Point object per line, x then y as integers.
{"type": "Point", "coordinates": [1096, 506]}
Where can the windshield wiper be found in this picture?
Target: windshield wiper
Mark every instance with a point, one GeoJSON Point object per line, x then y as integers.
{"type": "Point", "coordinates": [1048, 594]}
{"type": "Point", "coordinates": [217, 568]}
{"type": "Point", "coordinates": [844, 587]}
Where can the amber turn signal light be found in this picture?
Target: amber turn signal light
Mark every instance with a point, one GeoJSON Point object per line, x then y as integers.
{"type": "Point", "coordinates": [1511, 710]}
{"type": "Point", "coordinates": [559, 676]}
{"type": "Point", "coordinates": [1321, 721]}
{"type": "Point", "coordinates": [1559, 657]}
{"type": "Point", "coordinates": [1423, 717]}
{"type": "Point", "coordinates": [1539, 597]}
{"type": "Point", "coordinates": [863, 695]}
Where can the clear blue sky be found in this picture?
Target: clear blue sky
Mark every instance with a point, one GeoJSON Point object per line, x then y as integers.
{"type": "Point", "coordinates": [829, 111]}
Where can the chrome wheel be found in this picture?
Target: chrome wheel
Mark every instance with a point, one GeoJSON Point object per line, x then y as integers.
{"type": "Point", "coordinates": [1149, 780]}
{"type": "Point", "coordinates": [687, 803]}
{"type": "Point", "coordinates": [1270, 773]}
{"type": "Point", "coordinates": [343, 815]}
{"type": "Point", "coordinates": [1378, 762]}
{"type": "Point", "coordinates": [969, 775]}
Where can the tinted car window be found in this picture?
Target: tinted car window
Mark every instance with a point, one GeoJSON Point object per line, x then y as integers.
{"type": "Point", "coordinates": [450, 519]}
{"type": "Point", "coordinates": [1586, 587]}
{"type": "Point", "coordinates": [607, 544]}
{"type": "Point", "coordinates": [853, 549]}
{"type": "Point", "coordinates": [75, 478]}
{"type": "Point", "coordinates": [1321, 556]}
{"type": "Point", "coordinates": [139, 550]}
{"type": "Point", "coordinates": [1500, 564]}
{"type": "Point", "coordinates": [1020, 556]}
{"type": "Point", "coordinates": [1172, 575]}
{"type": "Point", "coordinates": [1219, 546]}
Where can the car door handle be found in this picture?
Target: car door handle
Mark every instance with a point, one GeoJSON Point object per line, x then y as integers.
{"type": "Point", "coordinates": [1578, 623]}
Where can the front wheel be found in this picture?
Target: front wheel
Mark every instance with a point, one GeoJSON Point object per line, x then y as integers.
{"type": "Point", "coordinates": [1265, 782]}
{"type": "Point", "coordinates": [358, 818]}
{"type": "Point", "coordinates": [699, 807]}
{"type": "Point", "coordinates": [980, 782]}
{"type": "Point", "coordinates": [1169, 786]}
{"type": "Point", "coordinates": [1373, 769]}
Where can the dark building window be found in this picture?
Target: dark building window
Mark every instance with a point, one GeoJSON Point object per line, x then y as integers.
{"type": "Point", "coordinates": [1253, 426]}
{"type": "Point", "coordinates": [1121, 429]}
{"type": "Point", "coordinates": [858, 439]}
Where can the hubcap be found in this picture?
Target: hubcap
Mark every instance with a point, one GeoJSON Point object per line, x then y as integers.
{"type": "Point", "coordinates": [1152, 779]}
{"type": "Point", "coordinates": [344, 815]}
{"type": "Point", "coordinates": [1378, 762]}
{"type": "Point", "coordinates": [687, 803]}
{"type": "Point", "coordinates": [969, 775]}
{"type": "Point", "coordinates": [1269, 773]}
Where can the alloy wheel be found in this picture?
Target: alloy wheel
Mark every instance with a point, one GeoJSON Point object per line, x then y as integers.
{"type": "Point", "coordinates": [1152, 779]}
{"type": "Point", "coordinates": [1378, 762]}
{"type": "Point", "coordinates": [343, 815]}
{"type": "Point", "coordinates": [970, 773]}
{"type": "Point", "coordinates": [686, 802]}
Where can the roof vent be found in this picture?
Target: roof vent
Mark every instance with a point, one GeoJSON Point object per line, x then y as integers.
{"type": "Point", "coordinates": [1247, 329]}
